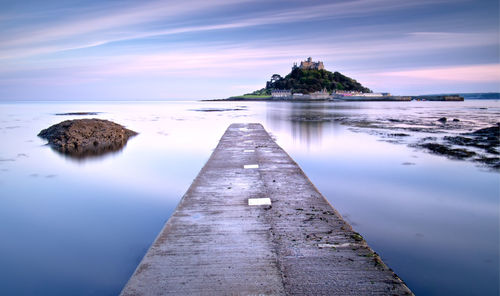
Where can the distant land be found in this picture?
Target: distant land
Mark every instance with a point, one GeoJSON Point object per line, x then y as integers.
{"type": "Point", "coordinates": [310, 81]}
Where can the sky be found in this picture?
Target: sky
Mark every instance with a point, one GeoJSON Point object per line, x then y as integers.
{"type": "Point", "coordinates": [201, 49]}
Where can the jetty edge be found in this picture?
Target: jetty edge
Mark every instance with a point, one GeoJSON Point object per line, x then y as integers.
{"type": "Point", "coordinates": [252, 223]}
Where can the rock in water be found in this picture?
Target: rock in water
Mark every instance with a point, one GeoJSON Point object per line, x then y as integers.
{"type": "Point", "coordinates": [86, 137]}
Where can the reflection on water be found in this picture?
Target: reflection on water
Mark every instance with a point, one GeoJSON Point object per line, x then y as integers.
{"type": "Point", "coordinates": [97, 152]}
{"type": "Point", "coordinates": [301, 119]}
{"type": "Point", "coordinates": [81, 228]}
{"type": "Point", "coordinates": [307, 122]}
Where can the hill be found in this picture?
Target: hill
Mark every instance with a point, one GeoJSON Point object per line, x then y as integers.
{"type": "Point", "coordinates": [311, 80]}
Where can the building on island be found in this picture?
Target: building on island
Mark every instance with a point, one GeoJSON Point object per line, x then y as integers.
{"type": "Point", "coordinates": [310, 65]}
{"type": "Point", "coordinates": [322, 94]}
{"type": "Point", "coordinates": [281, 93]}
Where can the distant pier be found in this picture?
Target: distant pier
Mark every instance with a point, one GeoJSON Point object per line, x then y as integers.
{"type": "Point", "coordinates": [253, 224]}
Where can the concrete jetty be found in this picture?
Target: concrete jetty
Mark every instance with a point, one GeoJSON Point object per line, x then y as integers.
{"type": "Point", "coordinates": [252, 223]}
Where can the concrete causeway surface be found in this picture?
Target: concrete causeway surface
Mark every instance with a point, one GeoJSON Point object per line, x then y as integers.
{"type": "Point", "coordinates": [253, 224]}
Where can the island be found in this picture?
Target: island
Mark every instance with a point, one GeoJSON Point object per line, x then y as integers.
{"type": "Point", "coordinates": [310, 81]}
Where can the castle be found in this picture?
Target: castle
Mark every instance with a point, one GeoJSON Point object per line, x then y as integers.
{"type": "Point", "coordinates": [310, 65]}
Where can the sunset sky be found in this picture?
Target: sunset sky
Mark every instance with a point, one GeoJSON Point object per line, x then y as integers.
{"type": "Point", "coordinates": [98, 50]}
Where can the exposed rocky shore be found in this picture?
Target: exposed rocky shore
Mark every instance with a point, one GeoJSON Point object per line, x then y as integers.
{"type": "Point", "coordinates": [86, 137]}
{"type": "Point", "coordinates": [481, 145]}
{"type": "Point", "coordinates": [470, 138]}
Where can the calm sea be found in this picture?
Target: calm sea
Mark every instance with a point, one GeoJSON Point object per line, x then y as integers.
{"type": "Point", "coordinates": [80, 227]}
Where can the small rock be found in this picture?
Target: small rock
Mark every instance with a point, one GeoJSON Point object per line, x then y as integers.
{"type": "Point", "coordinates": [442, 120]}
{"type": "Point", "coordinates": [493, 132]}
{"type": "Point", "coordinates": [86, 137]}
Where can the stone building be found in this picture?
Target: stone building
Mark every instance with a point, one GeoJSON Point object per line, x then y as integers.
{"type": "Point", "coordinates": [309, 64]}
{"type": "Point", "coordinates": [281, 93]}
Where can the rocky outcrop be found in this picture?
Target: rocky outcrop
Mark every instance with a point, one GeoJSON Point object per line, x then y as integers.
{"type": "Point", "coordinates": [486, 138]}
{"type": "Point", "coordinates": [470, 146]}
{"type": "Point", "coordinates": [86, 137]}
{"type": "Point", "coordinates": [445, 150]}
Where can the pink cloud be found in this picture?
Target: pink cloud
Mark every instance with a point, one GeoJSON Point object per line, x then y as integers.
{"type": "Point", "coordinates": [470, 73]}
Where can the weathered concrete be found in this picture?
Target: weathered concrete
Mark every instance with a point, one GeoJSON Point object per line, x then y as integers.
{"type": "Point", "coordinates": [215, 243]}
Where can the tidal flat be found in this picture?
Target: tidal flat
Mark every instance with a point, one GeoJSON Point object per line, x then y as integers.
{"type": "Point", "coordinates": [81, 227]}
{"type": "Point", "coordinates": [470, 137]}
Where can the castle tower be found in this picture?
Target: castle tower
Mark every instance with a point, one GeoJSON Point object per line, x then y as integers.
{"type": "Point", "coordinates": [310, 65]}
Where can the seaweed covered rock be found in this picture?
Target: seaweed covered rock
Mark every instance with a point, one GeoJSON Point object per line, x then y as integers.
{"type": "Point", "coordinates": [86, 137]}
{"type": "Point", "coordinates": [470, 146]}
{"type": "Point", "coordinates": [450, 152]}
{"type": "Point", "coordinates": [485, 138]}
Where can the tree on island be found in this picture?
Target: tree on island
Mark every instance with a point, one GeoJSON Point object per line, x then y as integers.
{"type": "Point", "coordinates": [311, 80]}
{"type": "Point", "coordinates": [308, 81]}
{"type": "Point", "coordinates": [275, 77]}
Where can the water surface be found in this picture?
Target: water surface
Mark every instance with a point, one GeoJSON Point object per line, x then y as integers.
{"type": "Point", "coordinates": [80, 227]}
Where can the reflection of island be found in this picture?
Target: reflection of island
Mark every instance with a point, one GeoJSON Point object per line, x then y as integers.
{"type": "Point", "coordinates": [306, 122]}
{"type": "Point", "coordinates": [84, 138]}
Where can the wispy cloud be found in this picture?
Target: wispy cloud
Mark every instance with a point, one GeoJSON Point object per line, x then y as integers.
{"type": "Point", "coordinates": [102, 21]}
{"type": "Point", "coordinates": [96, 29]}
{"type": "Point", "coordinates": [270, 55]}
{"type": "Point", "coordinates": [468, 73]}
{"type": "Point", "coordinates": [449, 79]}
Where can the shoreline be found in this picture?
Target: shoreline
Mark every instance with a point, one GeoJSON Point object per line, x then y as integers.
{"type": "Point", "coordinates": [308, 98]}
